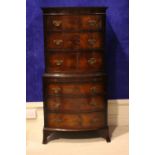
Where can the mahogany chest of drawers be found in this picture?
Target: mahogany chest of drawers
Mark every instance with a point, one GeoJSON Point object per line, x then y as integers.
{"type": "Point", "coordinates": [74, 82]}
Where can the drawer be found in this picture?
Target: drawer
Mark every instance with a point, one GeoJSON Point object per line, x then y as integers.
{"type": "Point", "coordinates": [91, 40]}
{"type": "Point", "coordinates": [91, 22]}
{"type": "Point", "coordinates": [76, 121]}
{"type": "Point", "coordinates": [72, 104]}
{"type": "Point", "coordinates": [91, 62]}
{"type": "Point", "coordinates": [74, 88]}
{"type": "Point", "coordinates": [74, 40]}
{"type": "Point", "coordinates": [73, 23]}
{"type": "Point", "coordinates": [56, 23]}
{"type": "Point", "coordinates": [74, 62]}
{"type": "Point", "coordinates": [56, 62]}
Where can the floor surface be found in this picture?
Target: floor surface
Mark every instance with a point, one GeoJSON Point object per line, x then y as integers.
{"type": "Point", "coordinates": [68, 146]}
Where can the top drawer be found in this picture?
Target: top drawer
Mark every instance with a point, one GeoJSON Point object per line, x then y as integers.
{"type": "Point", "coordinates": [73, 22]}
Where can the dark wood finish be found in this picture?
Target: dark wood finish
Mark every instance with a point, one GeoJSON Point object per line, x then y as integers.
{"type": "Point", "coordinates": [89, 88]}
{"type": "Point", "coordinates": [73, 10]}
{"type": "Point", "coordinates": [45, 136]}
{"type": "Point", "coordinates": [85, 40]}
{"type": "Point", "coordinates": [91, 22]}
{"type": "Point", "coordinates": [75, 82]}
{"type": "Point", "coordinates": [74, 77]}
{"type": "Point", "coordinates": [75, 121]}
{"type": "Point", "coordinates": [75, 22]}
{"type": "Point", "coordinates": [76, 105]}
{"type": "Point", "coordinates": [48, 135]}
{"type": "Point", "coordinates": [104, 132]}
{"type": "Point", "coordinates": [74, 62]}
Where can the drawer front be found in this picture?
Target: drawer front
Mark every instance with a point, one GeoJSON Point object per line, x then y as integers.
{"type": "Point", "coordinates": [74, 40]}
{"type": "Point", "coordinates": [73, 23]}
{"type": "Point", "coordinates": [91, 40]}
{"type": "Point", "coordinates": [62, 40]}
{"type": "Point", "coordinates": [56, 23]}
{"type": "Point", "coordinates": [76, 121]}
{"type": "Point", "coordinates": [81, 104]}
{"type": "Point", "coordinates": [91, 22]}
{"type": "Point", "coordinates": [56, 62]}
{"type": "Point", "coordinates": [91, 62]}
{"type": "Point", "coordinates": [76, 89]}
{"type": "Point", "coordinates": [74, 62]}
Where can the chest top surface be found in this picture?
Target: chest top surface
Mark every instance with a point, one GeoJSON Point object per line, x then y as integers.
{"type": "Point", "coordinates": [73, 10]}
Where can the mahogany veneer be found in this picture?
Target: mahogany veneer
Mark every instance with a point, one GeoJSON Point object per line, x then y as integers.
{"type": "Point", "coordinates": [75, 82]}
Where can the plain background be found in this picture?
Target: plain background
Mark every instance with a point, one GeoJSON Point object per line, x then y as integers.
{"type": "Point", "coordinates": [117, 45]}
{"type": "Point", "coordinates": [13, 77]}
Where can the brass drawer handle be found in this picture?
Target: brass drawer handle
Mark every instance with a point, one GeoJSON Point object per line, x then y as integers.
{"type": "Point", "coordinates": [95, 120]}
{"type": "Point", "coordinates": [57, 105]}
{"type": "Point", "coordinates": [58, 42]}
{"type": "Point", "coordinates": [59, 62]}
{"type": "Point", "coordinates": [93, 103]}
{"type": "Point", "coordinates": [92, 61]}
{"type": "Point", "coordinates": [56, 90]}
{"type": "Point", "coordinates": [57, 23]}
{"type": "Point", "coordinates": [92, 22]}
{"type": "Point", "coordinates": [93, 90]}
{"type": "Point", "coordinates": [91, 41]}
{"type": "Point", "coordinates": [58, 120]}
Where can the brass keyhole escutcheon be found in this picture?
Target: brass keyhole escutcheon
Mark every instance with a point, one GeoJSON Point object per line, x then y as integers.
{"type": "Point", "coordinates": [92, 61]}
{"type": "Point", "coordinates": [57, 23]}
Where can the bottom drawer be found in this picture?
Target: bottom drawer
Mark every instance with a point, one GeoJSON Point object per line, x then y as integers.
{"type": "Point", "coordinates": [76, 121]}
{"type": "Point", "coordinates": [75, 104]}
